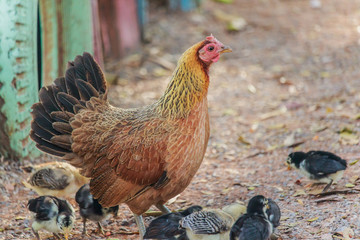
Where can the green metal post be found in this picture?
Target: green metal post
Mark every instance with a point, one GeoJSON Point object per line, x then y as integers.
{"type": "Point", "coordinates": [18, 76]}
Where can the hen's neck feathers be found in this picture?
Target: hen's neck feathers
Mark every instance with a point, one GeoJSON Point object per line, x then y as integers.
{"type": "Point", "coordinates": [188, 86]}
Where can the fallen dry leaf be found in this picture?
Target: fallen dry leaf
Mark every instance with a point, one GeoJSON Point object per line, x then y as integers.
{"type": "Point", "coordinates": [312, 219]}
{"type": "Point", "coordinates": [243, 140]}
{"type": "Point", "coordinates": [349, 185]}
{"type": "Point", "coordinates": [299, 192]}
{"type": "Point", "coordinates": [172, 200]}
{"type": "Point", "coordinates": [272, 114]}
{"type": "Point", "coordinates": [354, 178]}
{"type": "Point", "coordinates": [353, 162]}
{"type": "Point", "coordinates": [348, 138]}
{"type": "Point", "coordinates": [315, 191]}
{"type": "Point", "coordinates": [251, 88]}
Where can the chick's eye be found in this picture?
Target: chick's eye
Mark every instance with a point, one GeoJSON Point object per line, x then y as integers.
{"type": "Point", "coordinates": [211, 48]}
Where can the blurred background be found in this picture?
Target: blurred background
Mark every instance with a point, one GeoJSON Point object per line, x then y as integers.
{"type": "Point", "coordinates": [291, 83]}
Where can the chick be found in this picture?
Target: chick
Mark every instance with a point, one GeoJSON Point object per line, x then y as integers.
{"type": "Point", "coordinates": [91, 209]}
{"type": "Point", "coordinates": [167, 226]}
{"type": "Point", "coordinates": [58, 179]}
{"type": "Point", "coordinates": [196, 224]}
{"type": "Point", "coordinates": [319, 166]}
{"type": "Point", "coordinates": [51, 214]}
{"type": "Point", "coordinates": [254, 225]}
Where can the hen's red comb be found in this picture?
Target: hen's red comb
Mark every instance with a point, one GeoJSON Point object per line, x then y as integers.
{"type": "Point", "coordinates": [210, 38]}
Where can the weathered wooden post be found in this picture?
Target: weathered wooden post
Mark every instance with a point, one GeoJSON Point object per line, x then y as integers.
{"type": "Point", "coordinates": [18, 76]}
{"type": "Point", "coordinates": [66, 31]}
{"type": "Point", "coordinates": [31, 57]}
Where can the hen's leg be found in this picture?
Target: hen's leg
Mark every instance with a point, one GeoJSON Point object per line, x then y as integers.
{"type": "Point", "coordinates": [140, 223]}
{"type": "Point", "coordinates": [163, 208]}
{"type": "Point", "coordinates": [327, 186]}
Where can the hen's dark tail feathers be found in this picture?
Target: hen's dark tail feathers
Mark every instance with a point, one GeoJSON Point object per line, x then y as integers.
{"type": "Point", "coordinates": [50, 128]}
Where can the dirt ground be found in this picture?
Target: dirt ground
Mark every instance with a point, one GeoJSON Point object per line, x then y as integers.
{"type": "Point", "coordinates": [291, 84]}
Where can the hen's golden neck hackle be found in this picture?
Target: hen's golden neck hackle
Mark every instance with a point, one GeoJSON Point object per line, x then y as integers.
{"type": "Point", "coordinates": [188, 86]}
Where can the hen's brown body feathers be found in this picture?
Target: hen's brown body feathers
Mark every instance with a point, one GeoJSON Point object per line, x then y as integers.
{"type": "Point", "coordinates": [137, 156]}
{"type": "Point", "coordinates": [140, 156]}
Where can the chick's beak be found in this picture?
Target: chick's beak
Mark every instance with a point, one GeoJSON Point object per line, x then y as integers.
{"type": "Point", "coordinates": [225, 49]}
{"type": "Point", "coordinates": [66, 233]}
{"type": "Point", "coordinates": [288, 164]}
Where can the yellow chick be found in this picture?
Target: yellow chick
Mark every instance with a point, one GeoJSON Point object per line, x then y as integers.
{"type": "Point", "coordinates": [58, 179]}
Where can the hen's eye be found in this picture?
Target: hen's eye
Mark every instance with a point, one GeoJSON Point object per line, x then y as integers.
{"type": "Point", "coordinates": [211, 48]}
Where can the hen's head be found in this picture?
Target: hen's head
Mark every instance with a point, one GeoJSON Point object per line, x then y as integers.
{"type": "Point", "coordinates": [211, 49]}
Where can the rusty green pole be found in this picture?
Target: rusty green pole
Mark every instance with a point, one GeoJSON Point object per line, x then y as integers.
{"type": "Point", "coordinates": [18, 76]}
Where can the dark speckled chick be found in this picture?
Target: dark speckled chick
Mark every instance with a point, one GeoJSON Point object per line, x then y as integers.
{"type": "Point", "coordinates": [91, 209]}
{"type": "Point", "coordinates": [51, 214]}
{"type": "Point", "coordinates": [254, 225]}
{"type": "Point", "coordinates": [319, 166]}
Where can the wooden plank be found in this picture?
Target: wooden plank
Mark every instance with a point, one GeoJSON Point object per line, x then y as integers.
{"type": "Point", "coordinates": [66, 31]}
{"type": "Point", "coordinates": [98, 51]}
{"type": "Point", "coordinates": [18, 76]}
{"type": "Point", "coordinates": [77, 28]}
{"type": "Point", "coordinates": [50, 37]}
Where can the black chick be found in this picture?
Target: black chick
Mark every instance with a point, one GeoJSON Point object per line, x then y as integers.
{"type": "Point", "coordinates": [319, 166]}
{"type": "Point", "coordinates": [167, 226]}
{"type": "Point", "coordinates": [51, 214]}
{"type": "Point", "coordinates": [91, 209]}
{"type": "Point", "coordinates": [254, 225]}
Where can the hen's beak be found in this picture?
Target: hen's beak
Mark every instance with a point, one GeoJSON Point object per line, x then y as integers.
{"type": "Point", "coordinates": [225, 49]}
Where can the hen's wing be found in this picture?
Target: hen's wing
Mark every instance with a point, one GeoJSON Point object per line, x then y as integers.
{"type": "Point", "coordinates": [112, 146]}
{"type": "Point", "coordinates": [207, 222]}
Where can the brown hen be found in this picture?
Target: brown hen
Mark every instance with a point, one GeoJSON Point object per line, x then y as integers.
{"type": "Point", "coordinates": [141, 156]}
